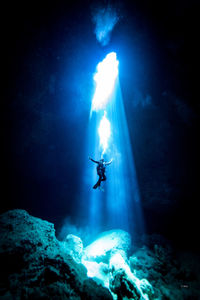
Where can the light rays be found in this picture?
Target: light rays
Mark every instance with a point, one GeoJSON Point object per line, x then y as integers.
{"type": "Point", "coordinates": [119, 205]}
{"type": "Point", "coordinates": [107, 72]}
{"type": "Point", "coordinates": [104, 132]}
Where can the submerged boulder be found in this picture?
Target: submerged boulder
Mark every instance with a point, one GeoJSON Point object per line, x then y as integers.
{"type": "Point", "coordinates": [123, 287]}
{"type": "Point", "coordinates": [106, 260]}
{"type": "Point", "coordinates": [96, 256]}
{"type": "Point", "coordinates": [125, 284]}
{"type": "Point", "coordinates": [100, 272]}
{"type": "Point", "coordinates": [108, 243]}
{"type": "Point", "coordinates": [35, 265]}
{"type": "Point", "coordinates": [73, 245]}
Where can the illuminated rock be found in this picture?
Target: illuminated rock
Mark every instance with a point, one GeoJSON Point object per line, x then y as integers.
{"type": "Point", "coordinates": [106, 262]}
{"type": "Point", "coordinates": [98, 271]}
{"type": "Point", "coordinates": [124, 283]}
{"type": "Point", "coordinates": [146, 288]}
{"type": "Point", "coordinates": [73, 246]}
{"type": "Point", "coordinates": [107, 244]}
{"type": "Point", "coordinates": [123, 287]}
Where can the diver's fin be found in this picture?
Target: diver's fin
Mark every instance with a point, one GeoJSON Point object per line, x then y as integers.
{"type": "Point", "coordinates": [97, 184]}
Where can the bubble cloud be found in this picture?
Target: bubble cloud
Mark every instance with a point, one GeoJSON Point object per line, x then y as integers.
{"type": "Point", "coordinates": [105, 19]}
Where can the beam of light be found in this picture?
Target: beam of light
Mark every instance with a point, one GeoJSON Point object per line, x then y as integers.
{"type": "Point", "coordinates": [123, 196]}
{"type": "Point", "coordinates": [118, 205]}
{"type": "Point", "coordinates": [107, 72]}
{"type": "Point", "coordinates": [104, 132]}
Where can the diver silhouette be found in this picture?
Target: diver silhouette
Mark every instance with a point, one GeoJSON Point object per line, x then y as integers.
{"type": "Point", "coordinates": [101, 169]}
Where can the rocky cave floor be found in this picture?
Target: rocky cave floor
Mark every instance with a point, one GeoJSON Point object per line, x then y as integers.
{"type": "Point", "coordinates": [36, 265]}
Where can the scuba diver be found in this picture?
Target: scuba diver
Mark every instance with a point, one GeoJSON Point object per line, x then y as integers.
{"type": "Point", "coordinates": [101, 168]}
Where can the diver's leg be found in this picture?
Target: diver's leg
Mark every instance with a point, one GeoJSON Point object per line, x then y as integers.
{"type": "Point", "coordinates": [103, 177]}
{"type": "Point", "coordinates": [98, 183]}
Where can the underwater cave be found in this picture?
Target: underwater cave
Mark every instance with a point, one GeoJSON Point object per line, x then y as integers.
{"type": "Point", "coordinates": [100, 151]}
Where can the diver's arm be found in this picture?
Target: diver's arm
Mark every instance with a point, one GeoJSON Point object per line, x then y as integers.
{"type": "Point", "coordinates": [93, 160]}
{"type": "Point", "coordinates": [108, 163]}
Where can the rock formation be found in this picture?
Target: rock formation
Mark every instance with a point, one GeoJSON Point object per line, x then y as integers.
{"type": "Point", "coordinates": [36, 265]}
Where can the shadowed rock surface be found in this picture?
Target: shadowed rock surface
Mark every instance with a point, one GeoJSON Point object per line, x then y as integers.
{"type": "Point", "coordinates": [35, 265]}
{"type": "Point", "coordinates": [173, 275]}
